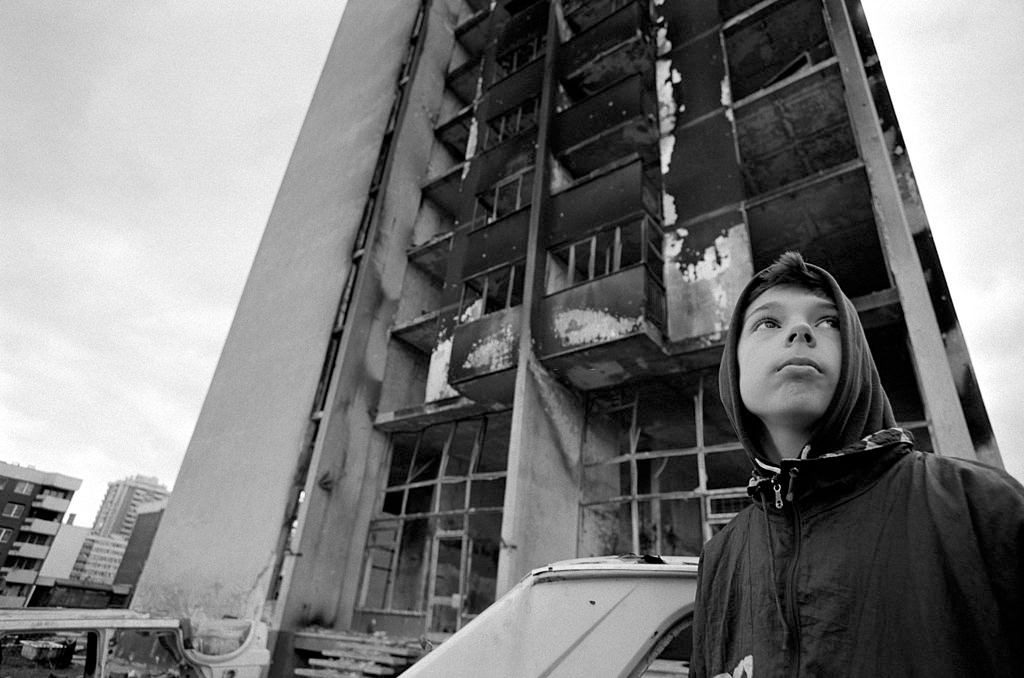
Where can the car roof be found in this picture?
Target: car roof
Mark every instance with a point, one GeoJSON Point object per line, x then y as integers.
{"type": "Point", "coordinates": [628, 565]}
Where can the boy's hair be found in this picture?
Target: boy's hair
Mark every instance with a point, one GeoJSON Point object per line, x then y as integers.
{"type": "Point", "coordinates": [790, 269]}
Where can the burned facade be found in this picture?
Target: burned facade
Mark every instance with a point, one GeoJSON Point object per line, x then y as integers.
{"type": "Point", "coordinates": [483, 327]}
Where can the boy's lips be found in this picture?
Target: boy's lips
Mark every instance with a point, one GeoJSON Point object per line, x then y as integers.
{"type": "Point", "coordinates": [800, 361]}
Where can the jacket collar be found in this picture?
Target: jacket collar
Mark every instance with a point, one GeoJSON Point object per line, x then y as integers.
{"type": "Point", "coordinates": [831, 476]}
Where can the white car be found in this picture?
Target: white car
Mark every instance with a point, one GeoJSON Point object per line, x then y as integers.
{"type": "Point", "coordinates": [610, 616]}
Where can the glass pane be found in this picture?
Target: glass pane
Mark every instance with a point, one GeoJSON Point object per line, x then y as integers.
{"type": "Point", "coordinates": [428, 454]}
{"type": "Point", "coordinates": [485, 541]}
{"type": "Point", "coordinates": [487, 493]}
{"type": "Point", "coordinates": [606, 530]}
{"type": "Point", "coordinates": [727, 469]}
{"type": "Point", "coordinates": [605, 481]}
{"type": "Point", "coordinates": [461, 449]}
{"type": "Point", "coordinates": [410, 582]}
{"type": "Point", "coordinates": [494, 449]}
{"type": "Point", "coordinates": [402, 447]}
{"type": "Point", "coordinates": [671, 527]}
{"type": "Point", "coordinates": [675, 474]}
{"type": "Point", "coordinates": [453, 496]}
{"type": "Point", "coordinates": [421, 500]}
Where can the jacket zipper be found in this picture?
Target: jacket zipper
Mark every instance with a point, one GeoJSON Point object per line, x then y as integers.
{"type": "Point", "coordinates": [794, 617]}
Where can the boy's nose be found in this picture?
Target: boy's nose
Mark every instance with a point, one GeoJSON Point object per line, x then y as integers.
{"type": "Point", "coordinates": [801, 332]}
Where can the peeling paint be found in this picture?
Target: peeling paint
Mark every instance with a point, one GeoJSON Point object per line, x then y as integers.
{"type": "Point", "coordinates": [716, 261]}
{"type": "Point", "coordinates": [666, 147]}
{"type": "Point", "coordinates": [726, 92]}
{"type": "Point", "coordinates": [472, 312]}
{"type": "Point", "coordinates": [437, 373]}
{"type": "Point", "coordinates": [474, 131]}
{"type": "Point", "coordinates": [586, 326]}
{"type": "Point", "coordinates": [674, 243]}
{"type": "Point", "coordinates": [492, 353]}
{"type": "Point", "coordinates": [668, 209]}
{"type": "Point", "coordinates": [664, 44]}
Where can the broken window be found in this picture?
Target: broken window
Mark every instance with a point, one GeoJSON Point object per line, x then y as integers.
{"type": "Point", "coordinates": [518, 55]}
{"type": "Point", "coordinates": [512, 122]}
{"type": "Point", "coordinates": [495, 290]}
{"type": "Point", "coordinates": [784, 40]}
{"type": "Point", "coordinates": [504, 197]}
{"type": "Point", "coordinates": [657, 460]}
{"type": "Point", "coordinates": [433, 548]}
{"type": "Point", "coordinates": [604, 253]}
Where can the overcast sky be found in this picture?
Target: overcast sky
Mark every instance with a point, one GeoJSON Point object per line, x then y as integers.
{"type": "Point", "coordinates": [142, 144]}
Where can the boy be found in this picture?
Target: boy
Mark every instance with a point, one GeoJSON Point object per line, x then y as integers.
{"type": "Point", "coordinates": [860, 556]}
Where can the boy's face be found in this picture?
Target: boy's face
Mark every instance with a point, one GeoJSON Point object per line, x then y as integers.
{"type": "Point", "coordinates": [789, 356]}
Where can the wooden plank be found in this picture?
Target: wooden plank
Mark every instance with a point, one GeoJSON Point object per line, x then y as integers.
{"type": "Point", "coordinates": [361, 667]}
{"type": "Point", "coordinates": [366, 655]}
{"type": "Point", "coordinates": [326, 673]}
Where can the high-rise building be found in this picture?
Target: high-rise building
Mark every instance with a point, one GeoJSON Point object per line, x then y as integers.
{"type": "Point", "coordinates": [117, 513]}
{"type": "Point", "coordinates": [32, 506]}
{"type": "Point", "coordinates": [482, 328]}
{"type": "Point", "coordinates": [99, 559]}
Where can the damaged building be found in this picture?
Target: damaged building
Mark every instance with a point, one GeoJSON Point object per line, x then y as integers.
{"type": "Point", "coordinates": [482, 329]}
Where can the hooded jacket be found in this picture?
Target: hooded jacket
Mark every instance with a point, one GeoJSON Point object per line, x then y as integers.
{"type": "Point", "coordinates": [865, 557]}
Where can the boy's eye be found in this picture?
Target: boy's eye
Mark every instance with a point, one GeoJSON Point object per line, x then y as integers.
{"type": "Point", "coordinates": [830, 321]}
{"type": "Point", "coordinates": [765, 323]}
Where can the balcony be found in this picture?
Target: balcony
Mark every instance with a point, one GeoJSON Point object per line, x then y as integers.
{"type": "Point", "coordinates": [609, 50]}
{"type": "Point", "coordinates": [496, 243]}
{"type": "Point", "coordinates": [464, 81]}
{"type": "Point", "coordinates": [620, 194]}
{"type": "Point", "coordinates": [455, 133]}
{"type": "Point", "coordinates": [612, 124]}
{"type": "Point", "coordinates": [445, 191]}
{"type": "Point", "coordinates": [48, 527]}
{"type": "Point", "coordinates": [48, 503]}
{"type": "Point", "coordinates": [472, 33]}
{"type": "Point", "coordinates": [432, 256]}
{"type": "Point", "coordinates": [421, 332]}
{"type": "Point", "coordinates": [17, 576]}
{"type": "Point", "coordinates": [485, 355]}
{"type": "Point", "coordinates": [605, 331]}
{"type": "Point", "coordinates": [24, 550]}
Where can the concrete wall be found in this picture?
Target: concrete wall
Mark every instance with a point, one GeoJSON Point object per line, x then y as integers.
{"type": "Point", "coordinates": [242, 459]}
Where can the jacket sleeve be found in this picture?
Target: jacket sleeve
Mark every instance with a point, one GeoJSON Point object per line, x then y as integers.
{"type": "Point", "coordinates": [996, 505]}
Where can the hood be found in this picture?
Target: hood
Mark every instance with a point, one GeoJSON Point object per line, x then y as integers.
{"type": "Point", "coordinates": [859, 405]}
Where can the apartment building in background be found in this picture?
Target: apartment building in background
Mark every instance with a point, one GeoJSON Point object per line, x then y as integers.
{"type": "Point", "coordinates": [99, 559]}
{"type": "Point", "coordinates": [116, 515]}
{"type": "Point", "coordinates": [482, 330]}
{"type": "Point", "coordinates": [32, 506]}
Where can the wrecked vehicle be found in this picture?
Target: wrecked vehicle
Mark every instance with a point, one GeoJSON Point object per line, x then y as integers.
{"type": "Point", "coordinates": [104, 643]}
{"type": "Point", "coordinates": [622, 616]}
